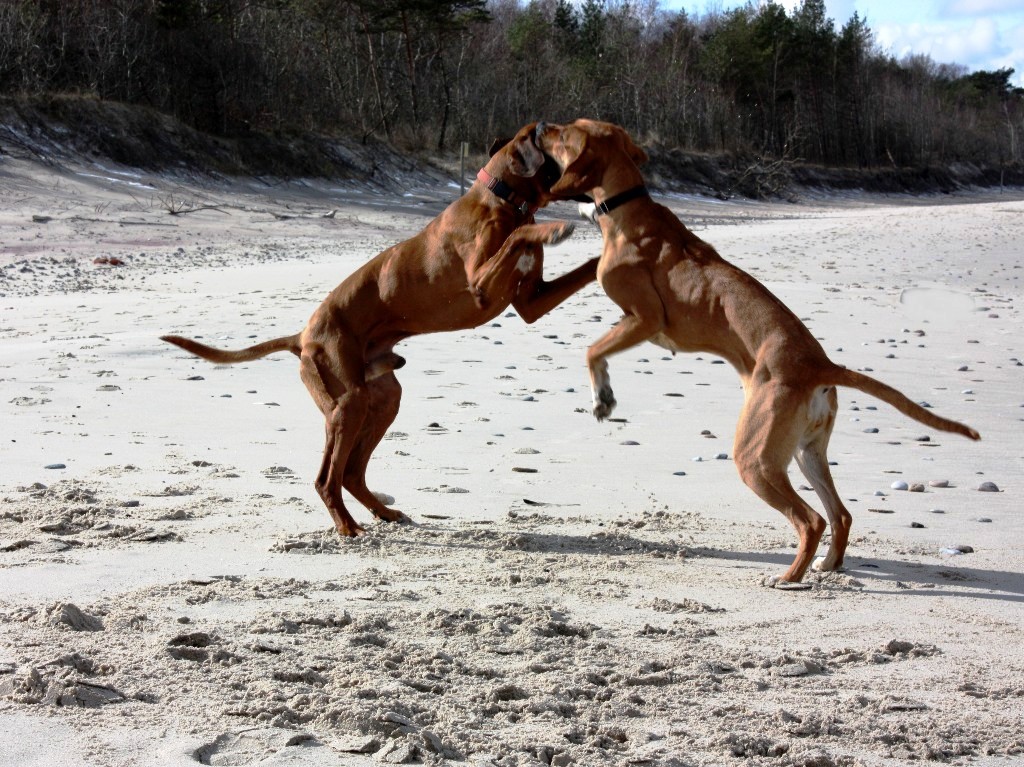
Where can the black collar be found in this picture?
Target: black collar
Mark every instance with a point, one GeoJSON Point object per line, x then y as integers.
{"type": "Point", "coordinates": [603, 208]}
{"type": "Point", "coordinates": [505, 192]}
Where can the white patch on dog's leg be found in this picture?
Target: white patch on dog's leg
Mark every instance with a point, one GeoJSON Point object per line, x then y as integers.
{"type": "Point", "coordinates": [526, 263]}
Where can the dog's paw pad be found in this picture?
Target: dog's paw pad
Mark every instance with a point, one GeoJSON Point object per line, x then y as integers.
{"type": "Point", "coordinates": [561, 233]}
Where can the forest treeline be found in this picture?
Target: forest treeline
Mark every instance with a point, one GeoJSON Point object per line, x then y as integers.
{"type": "Point", "coordinates": [428, 74]}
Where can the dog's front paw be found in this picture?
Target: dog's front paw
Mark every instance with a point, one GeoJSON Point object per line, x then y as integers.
{"type": "Point", "coordinates": [604, 404]}
{"type": "Point", "coordinates": [561, 232]}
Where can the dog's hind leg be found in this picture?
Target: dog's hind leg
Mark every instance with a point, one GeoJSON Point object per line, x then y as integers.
{"type": "Point", "coordinates": [344, 406]}
{"type": "Point", "coordinates": [766, 438]}
{"type": "Point", "coordinates": [812, 458]}
{"type": "Point", "coordinates": [385, 398]}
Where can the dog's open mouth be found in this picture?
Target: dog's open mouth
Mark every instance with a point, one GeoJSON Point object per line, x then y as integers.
{"type": "Point", "coordinates": [550, 172]}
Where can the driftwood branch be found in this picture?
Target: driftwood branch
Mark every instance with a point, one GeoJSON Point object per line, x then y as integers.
{"type": "Point", "coordinates": [178, 207]}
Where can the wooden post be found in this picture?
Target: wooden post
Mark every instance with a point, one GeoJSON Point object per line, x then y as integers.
{"type": "Point", "coordinates": [463, 153]}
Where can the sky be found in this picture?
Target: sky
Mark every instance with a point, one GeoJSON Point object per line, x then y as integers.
{"type": "Point", "coordinates": [978, 34]}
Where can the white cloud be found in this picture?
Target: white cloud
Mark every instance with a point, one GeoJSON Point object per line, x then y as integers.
{"type": "Point", "coordinates": [977, 34]}
{"type": "Point", "coordinates": [977, 7]}
{"type": "Point", "coordinates": [977, 44]}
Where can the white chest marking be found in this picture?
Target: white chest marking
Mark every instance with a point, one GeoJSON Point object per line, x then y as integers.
{"type": "Point", "coordinates": [526, 262]}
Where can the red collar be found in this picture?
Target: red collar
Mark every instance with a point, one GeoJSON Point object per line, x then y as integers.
{"type": "Point", "coordinates": [506, 193]}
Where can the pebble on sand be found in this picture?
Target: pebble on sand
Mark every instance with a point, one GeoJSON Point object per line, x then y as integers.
{"type": "Point", "coordinates": [988, 487]}
{"type": "Point", "coordinates": [954, 550]}
{"type": "Point", "coordinates": [938, 483]}
{"type": "Point", "coordinates": [899, 484]}
{"type": "Point", "coordinates": [55, 466]}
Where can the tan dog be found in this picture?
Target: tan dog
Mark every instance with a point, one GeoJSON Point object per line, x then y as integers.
{"type": "Point", "coordinates": [677, 292]}
{"type": "Point", "coordinates": [422, 285]}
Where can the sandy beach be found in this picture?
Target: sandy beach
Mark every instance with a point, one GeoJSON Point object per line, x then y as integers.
{"type": "Point", "coordinates": [570, 592]}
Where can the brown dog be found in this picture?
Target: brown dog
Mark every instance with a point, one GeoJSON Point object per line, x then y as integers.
{"type": "Point", "coordinates": [678, 293]}
{"type": "Point", "coordinates": [486, 238]}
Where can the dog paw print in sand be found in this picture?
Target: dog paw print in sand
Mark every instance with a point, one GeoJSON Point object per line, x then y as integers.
{"type": "Point", "coordinates": [262, 745]}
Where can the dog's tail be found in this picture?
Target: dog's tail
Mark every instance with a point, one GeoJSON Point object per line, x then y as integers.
{"type": "Point", "coordinates": [841, 376]}
{"type": "Point", "coordinates": [225, 357]}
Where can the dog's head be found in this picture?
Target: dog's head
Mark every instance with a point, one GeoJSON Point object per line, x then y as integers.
{"type": "Point", "coordinates": [519, 162]}
{"type": "Point", "coordinates": [590, 155]}
{"type": "Point", "coordinates": [519, 154]}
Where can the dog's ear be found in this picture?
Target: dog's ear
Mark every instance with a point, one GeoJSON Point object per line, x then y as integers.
{"type": "Point", "coordinates": [579, 177]}
{"type": "Point", "coordinates": [638, 155]}
{"type": "Point", "coordinates": [635, 153]}
{"type": "Point", "coordinates": [525, 159]}
{"type": "Point", "coordinates": [496, 146]}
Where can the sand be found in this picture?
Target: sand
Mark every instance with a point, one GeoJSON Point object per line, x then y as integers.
{"type": "Point", "coordinates": [570, 592]}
